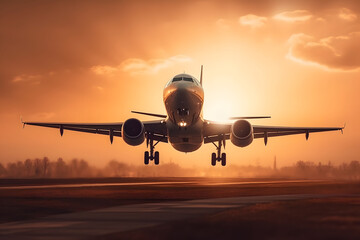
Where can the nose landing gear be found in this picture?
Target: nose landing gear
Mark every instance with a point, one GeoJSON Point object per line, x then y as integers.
{"type": "Point", "coordinates": [216, 157]}
{"type": "Point", "coordinates": [149, 155]}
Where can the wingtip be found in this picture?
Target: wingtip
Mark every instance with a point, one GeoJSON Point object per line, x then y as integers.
{"type": "Point", "coordinates": [21, 120]}
{"type": "Point", "coordinates": [342, 129]}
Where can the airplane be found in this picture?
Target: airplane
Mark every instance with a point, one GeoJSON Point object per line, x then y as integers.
{"type": "Point", "coordinates": [184, 126]}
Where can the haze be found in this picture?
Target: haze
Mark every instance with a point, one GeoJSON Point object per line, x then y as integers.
{"type": "Point", "coordinates": [95, 61]}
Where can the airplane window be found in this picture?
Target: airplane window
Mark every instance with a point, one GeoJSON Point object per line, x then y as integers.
{"type": "Point", "coordinates": [188, 79]}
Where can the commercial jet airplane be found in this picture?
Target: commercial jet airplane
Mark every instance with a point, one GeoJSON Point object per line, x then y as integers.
{"type": "Point", "coordinates": [183, 125]}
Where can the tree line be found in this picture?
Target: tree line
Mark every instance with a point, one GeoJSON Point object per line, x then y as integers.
{"type": "Point", "coordinates": [80, 168]}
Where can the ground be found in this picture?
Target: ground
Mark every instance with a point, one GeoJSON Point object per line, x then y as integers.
{"type": "Point", "coordinates": [329, 210]}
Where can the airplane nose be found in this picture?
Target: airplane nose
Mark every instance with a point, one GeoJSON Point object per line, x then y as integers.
{"type": "Point", "coordinates": [184, 87]}
{"type": "Point", "coordinates": [181, 93]}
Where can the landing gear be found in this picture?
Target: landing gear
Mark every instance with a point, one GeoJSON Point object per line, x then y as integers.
{"type": "Point", "coordinates": [213, 159]}
{"type": "Point", "coordinates": [223, 159]}
{"type": "Point", "coordinates": [149, 155]}
{"type": "Point", "coordinates": [216, 157]}
{"type": "Point", "coordinates": [156, 158]}
{"type": "Point", "coordinates": [146, 158]}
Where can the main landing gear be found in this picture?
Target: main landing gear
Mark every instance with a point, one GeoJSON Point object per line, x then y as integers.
{"type": "Point", "coordinates": [216, 158]}
{"type": "Point", "coordinates": [149, 155]}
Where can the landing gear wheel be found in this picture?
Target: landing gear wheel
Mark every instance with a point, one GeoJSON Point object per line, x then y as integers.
{"type": "Point", "coordinates": [213, 159]}
{"type": "Point", "coordinates": [218, 156]}
{"type": "Point", "coordinates": [156, 158]}
{"type": "Point", "coordinates": [223, 159]}
{"type": "Point", "coordinates": [146, 158]}
{"type": "Point", "coordinates": [151, 155]}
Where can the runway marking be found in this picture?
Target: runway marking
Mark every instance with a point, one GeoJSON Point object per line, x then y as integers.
{"type": "Point", "coordinates": [80, 225]}
{"type": "Point", "coordinates": [264, 182]}
{"type": "Point", "coordinates": [90, 185]}
{"type": "Point", "coordinates": [203, 183]}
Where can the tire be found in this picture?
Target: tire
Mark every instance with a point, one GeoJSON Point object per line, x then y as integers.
{"type": "Point", "coordinates": [157, 158]}
{"type": "Point", "coordinates": [223, 159]}
{"type": "Point", "coordinates": [146, 158]}
{"type": "Point", "coordinates": [213, 159]}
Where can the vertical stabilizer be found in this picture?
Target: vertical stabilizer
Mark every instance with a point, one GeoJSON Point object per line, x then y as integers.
{"type": "Point", "coordinates": [201, 73]}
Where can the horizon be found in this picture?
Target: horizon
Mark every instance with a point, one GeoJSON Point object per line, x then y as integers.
{"type": "Point", "coordinates": [45, 168]}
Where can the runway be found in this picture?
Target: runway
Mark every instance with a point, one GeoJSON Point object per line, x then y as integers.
{"type": "Point", "coordinates": [81, 185]}
{"type": "Point", "coordinates": [127, 217]}
{"type": "Point", "coordinates": [177, 208]}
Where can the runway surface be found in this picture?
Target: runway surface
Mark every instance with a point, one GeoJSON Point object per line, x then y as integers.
{"type": "Point", "coordinates": [125, 207]}
{"type": "Point", "coordinates": [127, 217]}
{"type": "Point", "coordinates": [80, 185]}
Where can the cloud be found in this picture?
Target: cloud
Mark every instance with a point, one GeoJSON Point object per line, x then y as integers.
{"type": "Point", "coordinates": [294, 16]}
{"type": "Point", "coordinates": [223, 23]}
{"type": "Point", "coordinates": [100, 88]}
{"type": "Point", "coordinates": [334, 52]}
{"type": "Point", "coordinates": [151, 66]}
{"type": "Point", "coordinates": [347, 15]}
{"type": "Point", "coordinates": [320, 19]}
{"type": "Point", "coordinates": [34, 79]}
{"type": "Point", "coordinates": [140, 66]}
{"type": "Point", "coordinates": [253, 21]}
{"type": "Point", "coordinates": [104, 70]}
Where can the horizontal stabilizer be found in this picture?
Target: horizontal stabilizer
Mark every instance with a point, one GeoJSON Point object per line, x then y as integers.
{"type": "Point", "coordinates": [235, 118]}
{"type": "Point", "coordinates": [151, 114]}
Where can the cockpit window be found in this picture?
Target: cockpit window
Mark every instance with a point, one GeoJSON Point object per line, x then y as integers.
{"type": "Point", "coordinates": [188, 79]}
{"type": "Point", "coordinates": [176, 79]}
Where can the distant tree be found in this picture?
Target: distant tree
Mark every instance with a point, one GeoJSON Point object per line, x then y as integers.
{"type": "Point", "coordinates": [38, 167]}
{"type": "Point", "coordinates": [2, 171]}
{"type": "Point", "coordinates": [61, 169]}
{"type": "Point", "coordinates": [118, 169]}
{"type": "Point", "coordinates": [83, 169]}
{"type": "Point", "coordinates": [354, 169]}
{"type": "Point", "coordinates": [45, 165]}
{"type": "Point", "coordinates": [11, 170]}
{"type": "Point", "coordinates": [29, 168]}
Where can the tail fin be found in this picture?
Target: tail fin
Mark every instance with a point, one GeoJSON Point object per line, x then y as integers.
{"type": "Point", "coordinates": [201, 73]}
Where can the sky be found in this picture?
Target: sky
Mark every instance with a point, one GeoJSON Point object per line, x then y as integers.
{"type": "Point", "coordinates": [95, 61]}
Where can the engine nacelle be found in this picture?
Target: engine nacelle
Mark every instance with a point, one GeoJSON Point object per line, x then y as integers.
{"type": "Point", "coordinates": [241, 133]}
{"type": "Point", "coordinates": [133, 132]}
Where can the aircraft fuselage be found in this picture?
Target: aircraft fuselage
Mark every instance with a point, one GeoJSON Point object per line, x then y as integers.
{"type": "Point", "coordinates": [183, 102]}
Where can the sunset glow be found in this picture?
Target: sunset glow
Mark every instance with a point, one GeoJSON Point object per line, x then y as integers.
{"type": "Point", "coordinates": [95, 61]}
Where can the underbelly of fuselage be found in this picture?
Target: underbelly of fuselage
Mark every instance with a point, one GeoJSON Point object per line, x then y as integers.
{"type": "Point", "coordinates": [185, 139]}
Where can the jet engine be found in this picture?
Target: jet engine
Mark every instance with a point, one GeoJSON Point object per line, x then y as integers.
{"type": "Point", "coordinates": [241, 133]}
{"type": "Point", "coordinates": [133, 132]}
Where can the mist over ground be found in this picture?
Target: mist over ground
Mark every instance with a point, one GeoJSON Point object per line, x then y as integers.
{"type": "Point", "coordinates": [79, 168]}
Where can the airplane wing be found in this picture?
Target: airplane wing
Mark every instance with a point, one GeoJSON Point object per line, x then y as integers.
{"type": "Point", "coordinates": [217, 131]}
{"type": "Point", "coordinates": [157, 128]}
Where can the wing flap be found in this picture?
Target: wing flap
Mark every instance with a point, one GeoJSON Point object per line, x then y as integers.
{"type": "Point", "coordinates": [278, 129]}
{"type": "Point", "coordinates": [105, 126]}
{"type": "Point", "coordinates": [157, 128]}
{"type": "Point", "coordinates": [216, 131]}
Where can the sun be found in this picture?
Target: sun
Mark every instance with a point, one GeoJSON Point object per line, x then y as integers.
{"type": "Point", "coordinates": [218, 109]}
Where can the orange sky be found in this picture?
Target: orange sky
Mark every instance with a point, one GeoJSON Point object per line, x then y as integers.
{"type": "Point", "coordinates": [95, 61]}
